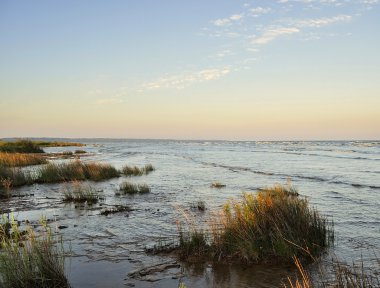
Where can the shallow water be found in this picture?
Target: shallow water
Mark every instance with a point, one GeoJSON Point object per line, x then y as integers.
{"type": "Point", "coordinates": [341, 179]}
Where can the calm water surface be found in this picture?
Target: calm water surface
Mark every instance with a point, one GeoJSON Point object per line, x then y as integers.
{"type": "Point", "coordinates": [341, 179]}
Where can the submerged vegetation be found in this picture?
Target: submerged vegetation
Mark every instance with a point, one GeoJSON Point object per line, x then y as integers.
{"type": "Point", "coordinates": [272, 225]}
{"type": "Point", "coordinates": [20, 159]}
{"type": "Point", "coordinates": [217, 185]}
{"type": "Point", "coordinates": [116, 209]}
{"type": "Point", "coordinates": [130, 188]}
{"type": "Point", "coordinates": [136, 171]}
{"type": "Point", "coordinates": [31, 259]}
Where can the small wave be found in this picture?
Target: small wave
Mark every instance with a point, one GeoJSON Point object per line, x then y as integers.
{"type": "Point", "coordinates": [356, 185]}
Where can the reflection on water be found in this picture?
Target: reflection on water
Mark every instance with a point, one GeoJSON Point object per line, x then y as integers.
{"type": "Point", "coordinates": [340, 178]}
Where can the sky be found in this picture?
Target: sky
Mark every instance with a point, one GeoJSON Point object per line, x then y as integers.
{"type": "Point", "coordinates": [216, 69]}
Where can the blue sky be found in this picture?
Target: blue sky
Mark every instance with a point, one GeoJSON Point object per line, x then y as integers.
{"type": "Point", "coordinates": [249, 70]}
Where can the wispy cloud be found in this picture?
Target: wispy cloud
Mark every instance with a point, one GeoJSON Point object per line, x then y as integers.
{"type": "Point", "coordinates": [319, 22]}
{"type": "Point", "coordinates": [273, 33]}
{"type": "Point", "coordinates": [257, 11]}
{"type": "Point", "coordinates": [186, 79]}
{"type": "Point", "coordinates": [228, 21]}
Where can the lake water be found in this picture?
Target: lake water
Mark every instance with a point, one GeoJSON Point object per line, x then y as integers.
{"type": "Point", "coordinates": [341, 179]}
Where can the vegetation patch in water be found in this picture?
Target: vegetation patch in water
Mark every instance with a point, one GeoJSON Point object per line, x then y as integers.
{"type": "Point", "coordinates": [272, 225]}
{"type": "Point", "coordinates": [75, 170]}
{"type": "Point", "coordinates": [136, 171]}
{"type": "Point", "coordinates": [81, 194]}
{"type": "Point", "coordinates": [130, 188]}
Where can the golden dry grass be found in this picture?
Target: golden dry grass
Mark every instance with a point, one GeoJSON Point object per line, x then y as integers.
{"type": "Point", "coordinates": [20, 159]}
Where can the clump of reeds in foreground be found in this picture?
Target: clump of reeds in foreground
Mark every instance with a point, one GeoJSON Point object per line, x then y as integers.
{"type": "Point", "coordinates": [130, 188]}
{"type": "Point", "coordinates": [75, 170]}
{"type": "Point", "coordinates": [32, 260]}
{"type": "Point", "coordinates": [20, 159]}
{"type": "Point", "coordinates": [270, 226]}
{"type": "Point", "coordinates": [136, 171]}
{"type": "Point", "coordinates": [81, 194]}
{"type": "Point", "coordinates": [343, 276]}
{"type": "Point", "coordinates": [20, 146]}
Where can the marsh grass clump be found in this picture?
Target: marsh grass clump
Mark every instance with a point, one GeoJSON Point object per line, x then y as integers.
{"type": "Point", "coordinates": [130, 188]}
{"type": "Point", "coordinates": [32, 260]}
{"type": "Point", "coordinates": [272, 225]}
{"type": "Point", "coordinates": [136, 171]}
{"type": "Point", "coordinates": [20, 159]}
{"type": "Point", "coordinates": [20, 146]}
{"type": "Point", "coordinates": [81, 194]}
{"type": "Point", "coordinates": [75, 171]}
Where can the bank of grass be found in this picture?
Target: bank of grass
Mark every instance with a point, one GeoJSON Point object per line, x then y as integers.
{"type": "Point", "coordinates": [41, 143]}
{"type": "Point", "coordinates": [136, 171]}
{"type": "Point", "coordinates": [130, 188]}
{"type": "Point", "coordinates": [272, 225]}
{"type": "Point", "coordinates": [20, 146]}
{"type": "Point", "coordinates": [81, 194]}
{"type": "Point", "coordinates": [63, 172]}
{"type": "Point", "coordinates": [32, 260]}
{"type": "Point", "coordinates": [75, 171]}
{"type": "Point", "coordinates": [20, 159]}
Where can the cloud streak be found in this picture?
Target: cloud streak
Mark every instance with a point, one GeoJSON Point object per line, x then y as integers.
{"type": "Point", "coordinates": [228, 21]}
{"type": "Point", "coordinates": [273, 33]}
{"type": "Point", "coordinates": [181, 81]}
